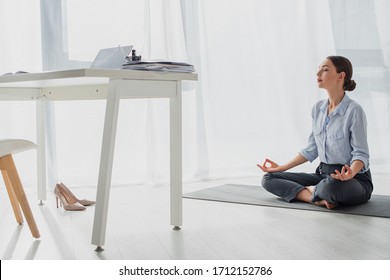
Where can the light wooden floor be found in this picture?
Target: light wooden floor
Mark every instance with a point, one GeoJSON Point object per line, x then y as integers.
{"type": "Point", "coordinates": [138, 228]}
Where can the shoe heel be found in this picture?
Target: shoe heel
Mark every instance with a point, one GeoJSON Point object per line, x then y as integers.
{"type": "Point", "coordinates": [71, 198]}
{"type": "Point", "coordinates": [64, 203]}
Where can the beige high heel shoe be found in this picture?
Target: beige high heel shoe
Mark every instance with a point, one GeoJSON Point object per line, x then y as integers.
{"type": "Point", "coordinates": [71, 197]}
{"type": "Point", "coordinates": [69, 206]}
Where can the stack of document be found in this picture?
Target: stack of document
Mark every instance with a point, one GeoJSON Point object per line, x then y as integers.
{"type": "Point", "coordinates": [16, 73]}
{"type": "Point", "coordinates": [158, 65]}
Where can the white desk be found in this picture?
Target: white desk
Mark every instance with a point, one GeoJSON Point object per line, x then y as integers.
{"type": "Point", "coordinates": [85, 84]}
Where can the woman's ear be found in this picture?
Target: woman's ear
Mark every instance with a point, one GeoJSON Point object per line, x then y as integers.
{"type": "Point", "coordinates": [342, 76]}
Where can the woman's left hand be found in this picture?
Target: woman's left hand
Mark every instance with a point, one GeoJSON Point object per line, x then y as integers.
{"type": "Point", "coordinates": [345, 174]}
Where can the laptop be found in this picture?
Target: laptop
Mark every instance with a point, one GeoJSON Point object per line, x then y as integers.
{"type": "Point", "coordinates": [111, 58]}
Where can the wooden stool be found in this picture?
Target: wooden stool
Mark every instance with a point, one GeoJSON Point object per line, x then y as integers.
{"type": "Point", "coordinates": [12, 181]}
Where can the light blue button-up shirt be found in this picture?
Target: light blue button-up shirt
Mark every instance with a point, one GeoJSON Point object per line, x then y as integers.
{"type": "Point", "coordinates": [339, 138]}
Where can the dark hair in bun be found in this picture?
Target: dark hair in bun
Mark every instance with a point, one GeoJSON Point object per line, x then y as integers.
{"type": "Point", "coordinates": [349, 85]}
{"type": "Point", "coordinates": [342, 64]}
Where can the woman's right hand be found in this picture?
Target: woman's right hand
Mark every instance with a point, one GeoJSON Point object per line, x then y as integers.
{"type": "Point", "coordinates": [270, 166]}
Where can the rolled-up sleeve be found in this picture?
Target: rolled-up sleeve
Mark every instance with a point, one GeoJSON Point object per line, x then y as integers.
{"type": "Point", "coordinates": [310, 152]}
{"type": "Point", "coordinates": [358, 138]}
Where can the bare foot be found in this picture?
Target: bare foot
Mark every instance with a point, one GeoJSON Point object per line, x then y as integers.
{"type": "Point", "coordinates": [329, 205]}
{"type": "Point", "coordinates": [325, 203]}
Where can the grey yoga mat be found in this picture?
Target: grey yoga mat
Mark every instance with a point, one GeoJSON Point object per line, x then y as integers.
{"type": "Point", "coordinates": [377, 206]}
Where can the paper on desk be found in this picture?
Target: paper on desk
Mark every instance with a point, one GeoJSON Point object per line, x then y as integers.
{"type": "Point", "coordinates": [158, 65]}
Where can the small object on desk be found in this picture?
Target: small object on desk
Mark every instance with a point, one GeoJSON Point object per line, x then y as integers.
{"type": "Point", "coordinates": [134, 56]}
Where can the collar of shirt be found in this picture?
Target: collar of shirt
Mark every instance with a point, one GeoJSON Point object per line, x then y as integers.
{"type": "Point", "coordinates": [340, 109]}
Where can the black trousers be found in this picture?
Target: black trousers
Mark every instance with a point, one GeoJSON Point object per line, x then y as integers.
{"type": "Point", "coordinates": [352, 192]}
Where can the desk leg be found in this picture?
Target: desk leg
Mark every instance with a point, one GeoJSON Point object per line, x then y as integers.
{"type": "Point", "coordinates": [176, 158]}
{"type": "Point", "coordinates": [105, 169]}
{"type": "Point", "coordinates": [41, 154]}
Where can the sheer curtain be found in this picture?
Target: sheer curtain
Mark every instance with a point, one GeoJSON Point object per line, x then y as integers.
{"type": "Point", "coordinates": [381, 95]}
{"type": "Point", "coordinates": [361, 32]}
{"type": "Point", "coordinates": [256, 64]}
{"type": "Point", "coordinates": [20, 50]}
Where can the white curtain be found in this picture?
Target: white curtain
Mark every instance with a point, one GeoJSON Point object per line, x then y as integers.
{"type": "Point", "coordinates": [256, 62]}
{"type": "Point", "coordinates": [20, 50]}
{"type": "Point", "coordinates": [381, 96]}
{"type": "Point", "coordinates": [257, 68]}
{"type": "Point", "coordinates": [382, 10]}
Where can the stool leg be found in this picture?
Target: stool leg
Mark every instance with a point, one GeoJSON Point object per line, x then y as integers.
{"type": "Point", "coordinates": [10, 168]}
{"type": "Point", "coordinates": [12, 198]}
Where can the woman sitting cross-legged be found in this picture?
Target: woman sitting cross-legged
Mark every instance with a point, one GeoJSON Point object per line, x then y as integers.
{"type": "Point", "coordinates": [338, 138]}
